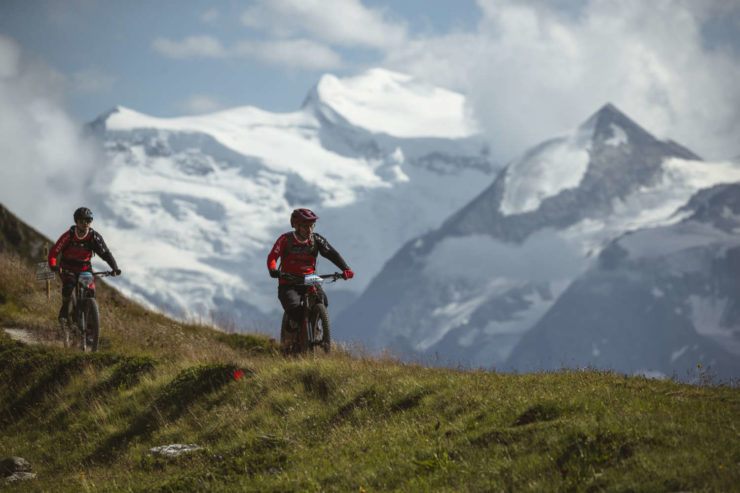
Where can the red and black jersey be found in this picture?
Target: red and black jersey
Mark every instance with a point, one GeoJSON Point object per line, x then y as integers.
{"type": "Point", "coordinates": [76, 252]}
{"type": "Point", "coordinates": [299, 257]}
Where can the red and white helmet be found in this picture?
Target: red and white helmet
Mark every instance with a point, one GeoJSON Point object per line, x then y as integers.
{"type": "Point", "coordinates": [302, 216]}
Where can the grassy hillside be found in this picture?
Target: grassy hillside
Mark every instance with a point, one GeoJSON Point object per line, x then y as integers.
{"type": "Point", "coordinates": [337, 423]}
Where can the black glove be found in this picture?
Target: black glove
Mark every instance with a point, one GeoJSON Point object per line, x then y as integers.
{"type": "Point", "coordinates": [116, 272]}
{"type": "Point", "coordinates": [274, 273]}
{"type": "Point", "coordinates": [54, 268]}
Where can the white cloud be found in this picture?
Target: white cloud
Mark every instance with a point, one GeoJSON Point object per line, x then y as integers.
{"type": "Point", "coordinates": [190, 47]}
{"type": "Point", "coordinates": [10, 58]}
{"type": "Point", "coordinates": [46, 162]}
{"type": "Point", "coordinates": [293, 53]}
{"type": "Point", "coordinates": [338, 22]}
{"type": "Point", "coordinates": [91, 80]}
{"type": "Point", "coordinates": [543, 256]}
{"type": "Point", "coordinates": [201, 103]}
{"type": "Point", "coordinates": [532, 69]}
{"type": "Point", "coordinates": [532, 73]}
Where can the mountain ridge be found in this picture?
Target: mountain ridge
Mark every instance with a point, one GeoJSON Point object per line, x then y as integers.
{"type": "Point", "coordinates": [469, 290]}
{"type": "Point", "coordinates": [559, 210]}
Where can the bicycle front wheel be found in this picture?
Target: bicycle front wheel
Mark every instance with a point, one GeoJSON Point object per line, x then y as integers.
{"type": "Point", "coordinates": [81, 321]}
{"type": "Point", "coordinates": [91, 331]}
{"type": "Point", "coordinates": [321, 329]}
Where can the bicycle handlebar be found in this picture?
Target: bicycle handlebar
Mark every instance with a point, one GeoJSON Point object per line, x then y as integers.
{"type": "Point", "coordinates": [102, 273]}
{"type": "Point", "coordinates": [334, 277]}
{"type": "Point", "coordinates": [299, 278]}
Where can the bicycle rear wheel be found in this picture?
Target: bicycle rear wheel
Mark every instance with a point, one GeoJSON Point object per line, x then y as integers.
{"type": "Point", "coordinates": [81, 322]}
{"type": "Point", "coordinates": [91, 333]}
{"type": "Point", "coordinates": [321, 328]}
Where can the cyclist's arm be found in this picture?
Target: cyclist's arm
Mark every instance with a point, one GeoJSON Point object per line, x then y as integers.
{"type": "Point", "coordinates": [100, 248]}
{"type": "Point", "coordinates": [276, 252]}
{"type": "Point", "coordinates": [57, 249]}
{"type": "Point", "coordinates": [327, 251]}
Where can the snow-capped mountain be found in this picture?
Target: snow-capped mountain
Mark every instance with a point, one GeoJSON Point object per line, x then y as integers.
{"type": "Point", "coordinates": [469, 291]}
{"type": "Point", "coordinates": [192, 205]}
{"type": "Point", "coordinates": [660, 300]}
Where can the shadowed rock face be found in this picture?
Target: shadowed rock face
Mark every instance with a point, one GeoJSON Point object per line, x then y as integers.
{"type": "Point", "coordinates": [19, 238]}
{"type": "Point", "coordinates": [718, 206]}
{"type": "Point", "coordinates": [643, 307]}
{"type": "Point", "coordinates": [611, 320]}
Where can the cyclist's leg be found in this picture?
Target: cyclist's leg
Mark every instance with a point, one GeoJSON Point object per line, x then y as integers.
{"type": "Point", "coordinates": [288, 340]}
{"type": "Point", "coordinates": [68, 285]}
{"type": "Point", "coordinates": [290, 299]}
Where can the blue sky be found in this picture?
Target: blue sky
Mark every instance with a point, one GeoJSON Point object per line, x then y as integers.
{"type": "Point", "coordinates": [137, 54]}
{"type": "Point", "coordinates": [531, 69]}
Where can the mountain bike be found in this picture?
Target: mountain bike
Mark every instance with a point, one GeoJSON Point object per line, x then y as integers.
{"type": "Point", "coordinates": [84, 315]}
{"type": "Point", "coordinates": [315, 330]}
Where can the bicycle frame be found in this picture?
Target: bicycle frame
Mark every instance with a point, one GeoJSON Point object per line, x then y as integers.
{"type": "Point", "coordinates": [314, 312]}
{"type": "Point", "coordinates": [306, 336]}
{"type": "Point", "coordinates": [84, 309]}
{"type": "Point", "coordinates": [84, 287]}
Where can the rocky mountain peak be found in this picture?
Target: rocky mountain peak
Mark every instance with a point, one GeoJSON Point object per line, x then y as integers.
{"type": "Point", "coordinates": [610, 127]}
{"type": "Point", "coordinates": [606, 116]}
{"type": "Point", "coordinates": [98, 126]}
{"type": "Point", "coordinates": [385, 102]}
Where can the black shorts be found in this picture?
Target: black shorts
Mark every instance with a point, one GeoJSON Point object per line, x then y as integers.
{"type": "Point", "coordinates": [290, 297]}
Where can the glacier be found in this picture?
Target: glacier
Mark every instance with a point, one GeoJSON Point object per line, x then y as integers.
{"type": "Point", "coordinates": [191, 205]}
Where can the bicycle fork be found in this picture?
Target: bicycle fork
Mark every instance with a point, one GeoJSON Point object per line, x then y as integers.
{"type": "Point", "coordinates": [307, 335]}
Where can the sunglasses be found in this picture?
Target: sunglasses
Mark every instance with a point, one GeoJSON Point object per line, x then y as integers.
{"type": "Point", "coordinates": [87, 220]}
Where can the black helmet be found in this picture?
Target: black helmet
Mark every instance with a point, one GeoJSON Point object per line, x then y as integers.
{"type": "Point", "coordinates": [302, 216]}
{"type": "Point", "coordinates": [83, 213]}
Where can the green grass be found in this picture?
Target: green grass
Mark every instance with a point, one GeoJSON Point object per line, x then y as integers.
{"type": "Point", "coordinates": [336, 423]}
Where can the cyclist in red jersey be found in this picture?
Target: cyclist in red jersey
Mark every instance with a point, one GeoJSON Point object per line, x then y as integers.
{"type": "Point", "coordinates": [75, 249]}
{"type": "Point", "coordinates": [298, 251]}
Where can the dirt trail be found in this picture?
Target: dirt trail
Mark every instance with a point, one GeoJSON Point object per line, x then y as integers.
{"type": "Point", "coordinates": [22, 335]}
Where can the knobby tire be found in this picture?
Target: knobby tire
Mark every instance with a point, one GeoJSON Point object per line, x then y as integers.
{"type": "Point", "coordinates": [319, 321]}
{"type": "Point", "coordinates": [82, 325]}
{"type": "Point", "coordinates": [67, 329]}
{"type": "Point", "coordinates": [321, 327]}
{"type": "Point", "coordinates": [92, 320]}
